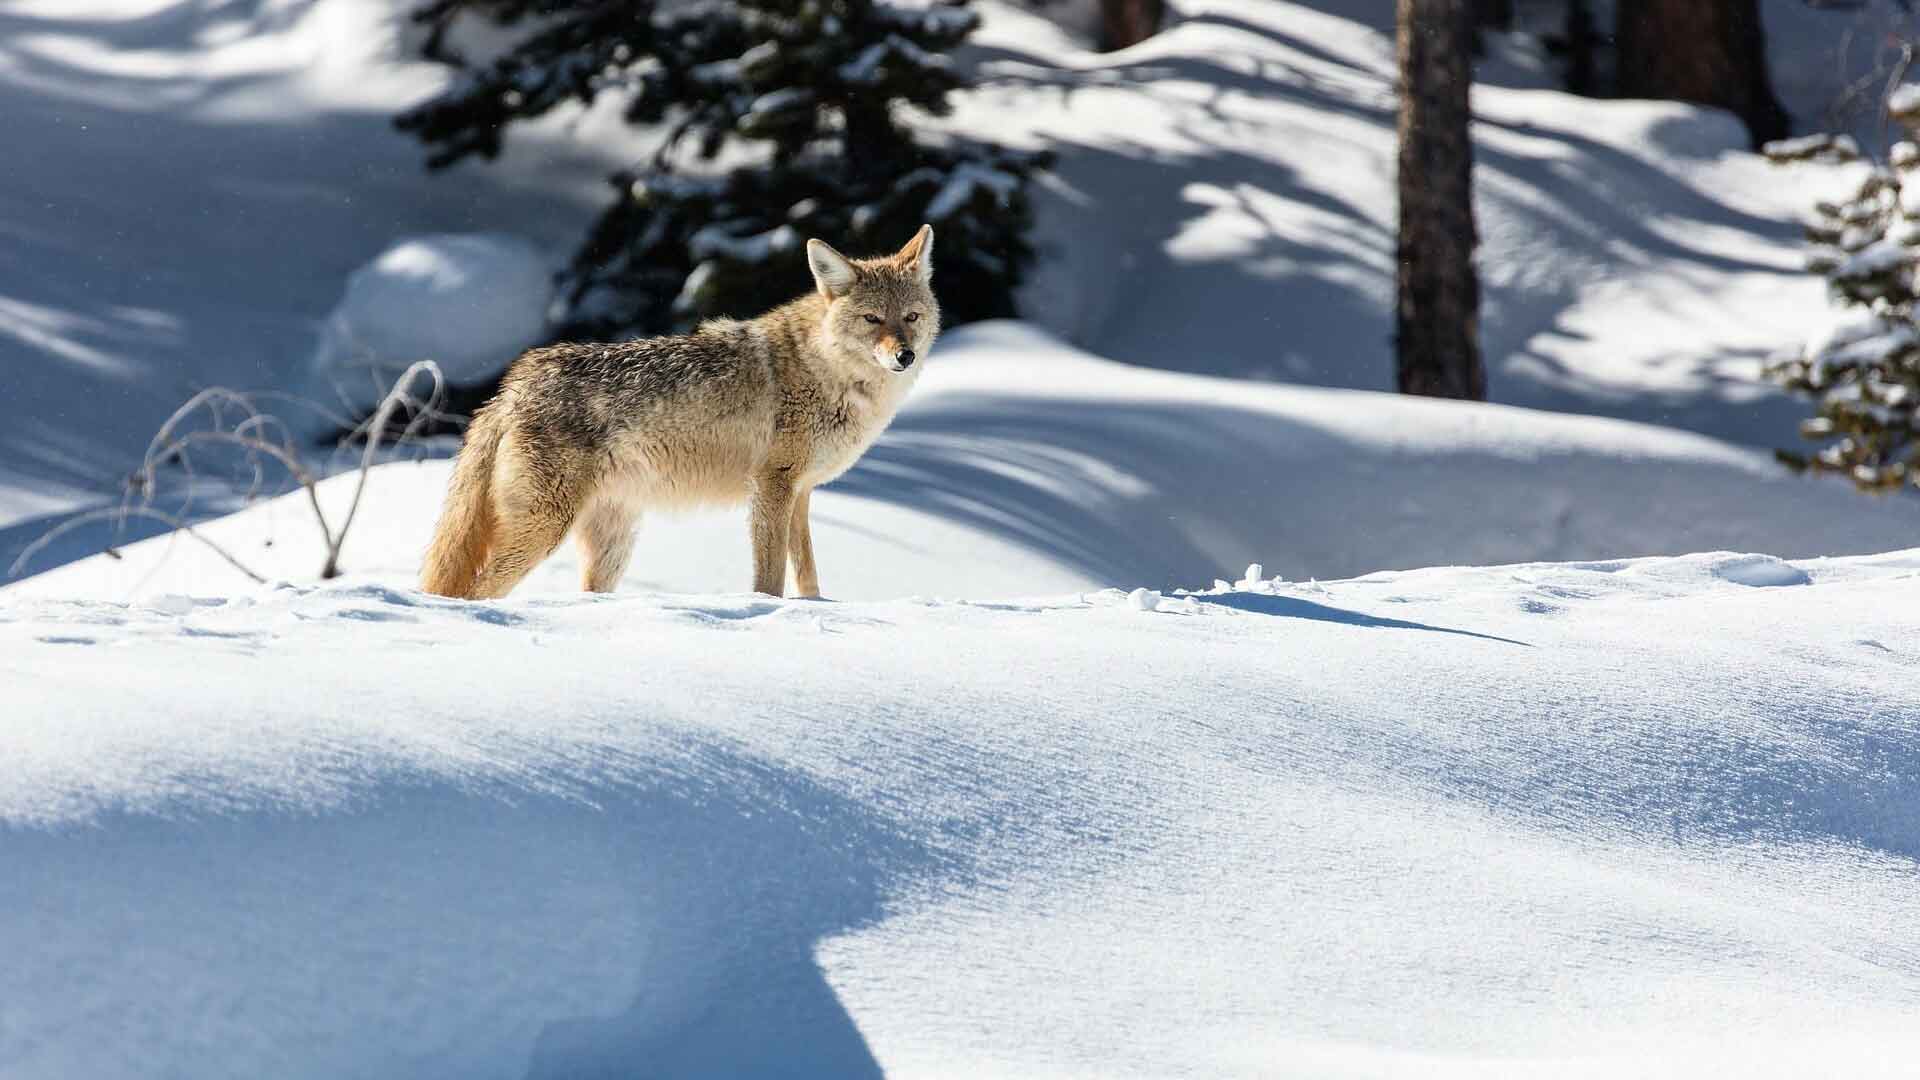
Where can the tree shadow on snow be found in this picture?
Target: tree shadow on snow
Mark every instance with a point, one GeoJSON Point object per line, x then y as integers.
{"type": "Point", "coordinates": [505, 914]}
{"type": "Point", "coordinates": [1293, 607]}
{"type": "Point", "coordinates": [119, 298]}
{"type": "Point", "coordinates": [1292, 280]}
{"type": "Point", "coordinates": [1087, 483]}
{"type": "Point", "coordinates": [740, 880]}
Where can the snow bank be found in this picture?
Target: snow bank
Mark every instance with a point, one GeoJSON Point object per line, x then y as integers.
{"type": "Point", "coordinates": [468, 302]}
{"type": "Point", "coordinates": [1023, 466]}
{"type": "Point", "coordinates": [1634, 817]}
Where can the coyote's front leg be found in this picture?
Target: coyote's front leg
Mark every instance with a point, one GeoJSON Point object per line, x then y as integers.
{"type": "Point", "coordinates": [770, 518]}
{"type": "Point", "coordinates": [806, 576]}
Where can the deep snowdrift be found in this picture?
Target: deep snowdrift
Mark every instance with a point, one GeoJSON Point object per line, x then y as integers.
{"type": "Point", "coordinates": [1623, 818]}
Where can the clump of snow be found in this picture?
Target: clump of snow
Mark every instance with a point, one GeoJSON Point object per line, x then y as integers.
{"type": "Point", "coordinates": [1873, 350]}
{"type": "Point", "coordinates": [1904, 101]}
{"type": "Point", "coordinates": [779, 101]}
{"type": "Point", "coordinates": [470, 302]}
{"type": "Point", "coordinates": [1847, 327]}
{"type": "Point", "coordinates": [870, 65]}
{"type": "Point", "coordinates": [1818, 147]}
{"type": "Point", "coordinates": [962, 184]}
{"type": "Point", "coordinates": [1878, 258]}
{"type": "Point", "coordinates": [1760, 571]}
{"type": "Point", "coordinates": [1143, 599]}
{"type": "Point", "coordinates": [715, 240]}
{"type": "Point", "coordinates": [171, 604]}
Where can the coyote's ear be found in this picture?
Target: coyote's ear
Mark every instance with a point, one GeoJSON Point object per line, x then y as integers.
{"type": "Point", "coordinates": [917, 256]}
{"type": "Point", "coordinates": [832, 273]}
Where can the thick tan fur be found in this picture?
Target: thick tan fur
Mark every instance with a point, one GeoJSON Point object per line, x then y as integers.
{"type": "Point", "coordinates": [584, 437]}
{"type": "Point", "coordinates": [466, 525]}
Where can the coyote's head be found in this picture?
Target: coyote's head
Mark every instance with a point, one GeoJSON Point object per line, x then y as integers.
{"type": "Point", "coordinates": [882, 310]}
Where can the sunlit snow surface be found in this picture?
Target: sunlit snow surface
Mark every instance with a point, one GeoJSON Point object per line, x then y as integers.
{"type": "Point", "coordinates": [991, 813]}
{"type": "Point", "coordinates": [1018, 801]}
{"type": "Point", "coordinates": [1642, 817]}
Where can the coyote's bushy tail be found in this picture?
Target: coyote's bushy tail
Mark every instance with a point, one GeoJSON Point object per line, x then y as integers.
{"type": "Point", "coordinates": [466, 526]}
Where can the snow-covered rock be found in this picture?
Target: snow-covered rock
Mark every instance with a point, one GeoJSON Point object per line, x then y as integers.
{"type": "Point", "coordinates": [469, 302]}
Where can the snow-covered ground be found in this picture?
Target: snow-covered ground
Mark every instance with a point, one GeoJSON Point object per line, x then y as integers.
{"type": "Point", "coordinates": [1011, 804]}
{"type": "Point", "coordinates": [203, 179]}
{"type": "Point", "coordinates": [1622, 818]}
{"type": "Point", "coordinates": [989, 814]}
{"type": "Point", "coordinates": [1024, 466]}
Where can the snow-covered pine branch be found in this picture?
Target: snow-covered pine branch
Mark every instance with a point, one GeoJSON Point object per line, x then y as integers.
{"type": "Point", "coordinates": [1863, 373]}
{"type": "Point", "coordinates": [819, 108]}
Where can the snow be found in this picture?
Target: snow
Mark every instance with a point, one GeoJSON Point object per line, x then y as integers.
{"type": "Point", "coordinates": [1904, 101]}
{"type": "Point", "coordinates": [1819, 146]}
{"type": "Point", "coordinates": [1875, 259]}
{"type": "Point", "coordinates": [792, 97]}
{"type": "Point", "coordinates": [932, 18]}
{"type": "Point", "coordinates": [1023, 466]}
{"type": "Point", "coordinates": [1877, 349]}
{"type": "Point", "coordinates": [1627, 817]}
{"type": "Point", "coordinates": [188, 188]}
{"type": "Point", "coordinates": [869, 68]}
{"type": "Point", "coordinates": [470, 303]}
{"type": "Point", "coordinates": [963, 182]}
{"type": "Point", "coordinates": [1222, 205]}
{"type": "Point", "coordinates": [1587, 748]}
{"type": "Point", "coordinates": [715, 240]}
{"type": "Point", "coordinates": [1760, 571]}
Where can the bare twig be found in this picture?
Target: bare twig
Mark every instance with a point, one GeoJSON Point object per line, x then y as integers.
{"type": "Point", "coordinates": [117, 513]}
{"type": "Point", "coordinates": [236, 421]}
{"type": "Point", "coordinates": [375, 427]}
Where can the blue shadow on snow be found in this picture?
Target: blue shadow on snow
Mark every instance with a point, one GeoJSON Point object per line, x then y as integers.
{"type": "Point", "coordinates": [1292, 607]}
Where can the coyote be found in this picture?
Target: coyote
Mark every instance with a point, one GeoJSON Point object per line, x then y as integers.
{"type": "Point", "coordinates": [586, 436]}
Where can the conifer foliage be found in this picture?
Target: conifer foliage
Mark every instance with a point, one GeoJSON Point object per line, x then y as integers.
{"type": "Point", "coordinates": [1864, 374]}
{"type": "Point", "coordinates": [809, 101]}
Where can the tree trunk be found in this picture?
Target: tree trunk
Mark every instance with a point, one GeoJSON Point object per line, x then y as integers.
{"type": "Point", "coordinates": [1581, 39]}
{"type": "Point", "coordinates": [1437, 323]}
{"type": "Point", "coordinates": [1710, 52]}
{"type": "Point", "coordinates": [1493, 14]}
{"type": "Point", "coordinates": [1129, 22]}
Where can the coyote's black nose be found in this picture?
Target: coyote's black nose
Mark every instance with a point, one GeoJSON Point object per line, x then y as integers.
{"type": "Point", "coordinates": [905, 358]}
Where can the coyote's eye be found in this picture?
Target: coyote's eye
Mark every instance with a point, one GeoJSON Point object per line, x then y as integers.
{"type": "Point", "coordinates": [913, 316]}
{"type": "Point", "coordinates": [874, 319]}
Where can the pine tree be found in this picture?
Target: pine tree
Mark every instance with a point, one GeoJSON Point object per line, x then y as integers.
{"type": "Point", "coordinates": [1437, 321]}
{"type": "Point", "coordinates": [817, 92]}
{"type": "Point", "coordinates": [1864, 374]}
